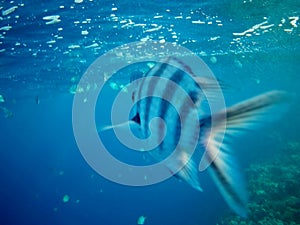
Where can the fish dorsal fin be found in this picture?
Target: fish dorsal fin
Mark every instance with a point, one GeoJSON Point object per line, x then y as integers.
{"type": "Point", "coordinates": [206, 86]}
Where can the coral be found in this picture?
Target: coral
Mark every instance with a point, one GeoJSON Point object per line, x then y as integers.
{"type": "Point", "coordinates": [274, 191]}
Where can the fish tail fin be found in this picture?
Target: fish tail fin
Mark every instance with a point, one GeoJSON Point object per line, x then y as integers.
{"type": "Point", "coordinates": [215, 137]}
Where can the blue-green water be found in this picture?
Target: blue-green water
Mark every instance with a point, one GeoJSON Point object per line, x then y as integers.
{"type": "Point", "coordinates": [45, 48]}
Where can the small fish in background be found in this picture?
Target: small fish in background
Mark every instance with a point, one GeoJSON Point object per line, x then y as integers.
{"type": "Point", "coordinates": [7, 113]}
{"type": "Point", "coordinates": [238, 118]}
{"type": "Point", "coordinates": [37, 100]}
{"type": "Point", "coordinates": [141, 220]}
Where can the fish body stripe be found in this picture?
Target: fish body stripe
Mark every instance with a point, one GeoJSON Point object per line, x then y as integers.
{"type": "Point", "coordinates": [177, 122]}
{"type": "Point", "coordinates": [169, 93]}
{"type": "Point", "coordinates": [149, 88]}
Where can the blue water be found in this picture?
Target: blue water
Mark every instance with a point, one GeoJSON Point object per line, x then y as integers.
{"type": "Point", "coordinates": [251, 47]}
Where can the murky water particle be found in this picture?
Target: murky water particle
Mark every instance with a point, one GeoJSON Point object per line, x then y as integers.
{"type": "Point", "coordinates": [51, 42]}
{"type": "Point", "coordinates": [150, 65]}
{"type": "Point", "coordinates": [53, 21]}
{"type": "Point", "coordinates": [114, 86]}
{"type": "Point", "coordinates": [51, 17]}
{"type": "Point", "coordinates": [213, 59]}
{"type": "Point", "coordinates": [66, 198]}
{"type": "Point", "coordinates": [84, 32]}
{"type": "Point", "coordinates": [198, 22]}
{"type": "Point", "coordinates": [9, 11]}
{"type": "Point", "coordinates": [266, 27]}
{"type": "Point", "coordinates": [238, 63]}
{"type": "Point", "coordinates": [123, 88]}
{"type": "Point", "coordinates": [6, 28]}
{"type": "Point", "coordinates": [74, 79]}
{"type": "Point", "coordinates": [1, 99]}
{"type": "Point", "coordinates": [92, 45]}
{"type": "Point", "coordinates": [72, 89]}
{"type": "Point", "coordinates": [214, 38]}
{"type": "Point", "coordinates": [294, 20]}
{"type": "Point", "coordinates": [145, 39]}
{"type": "Point", "coordinates": [288, 30]}
{"type": "Point", "coordinates": [73, 46]}
{"type": "Point", "coordinates": [178, 17]}
{"type": "Point", "coordinates": [153, 29]}
{"type": "Point", "coordinates": [78, 1]}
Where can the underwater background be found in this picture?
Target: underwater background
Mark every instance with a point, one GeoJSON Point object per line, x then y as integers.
{"type": "Point", "coordinates": [252, 46]}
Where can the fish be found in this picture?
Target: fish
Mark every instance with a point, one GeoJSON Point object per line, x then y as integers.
{"type": "Point", "coordinates": [141, 220]}
{"type": "Point", "coordinates": [181, 131]}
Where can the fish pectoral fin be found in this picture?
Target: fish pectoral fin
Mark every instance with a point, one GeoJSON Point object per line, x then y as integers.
{"type": "Point", "coordinates": [218, 156]}
{"type": "Point", "coordinates": [124, 127]}
{"type": "Point", "coordinates": [117, 126]}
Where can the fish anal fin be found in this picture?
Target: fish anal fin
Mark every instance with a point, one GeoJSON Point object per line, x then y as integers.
{"type": "Point", "coordinates": [189, 172]}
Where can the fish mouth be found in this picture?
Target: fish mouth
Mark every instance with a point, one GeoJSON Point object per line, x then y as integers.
{"type": "Point", "coordinates": [136, 119]}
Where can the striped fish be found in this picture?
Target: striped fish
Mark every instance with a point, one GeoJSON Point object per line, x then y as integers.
{"type": "Point", "coordinates": [180, 131]}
